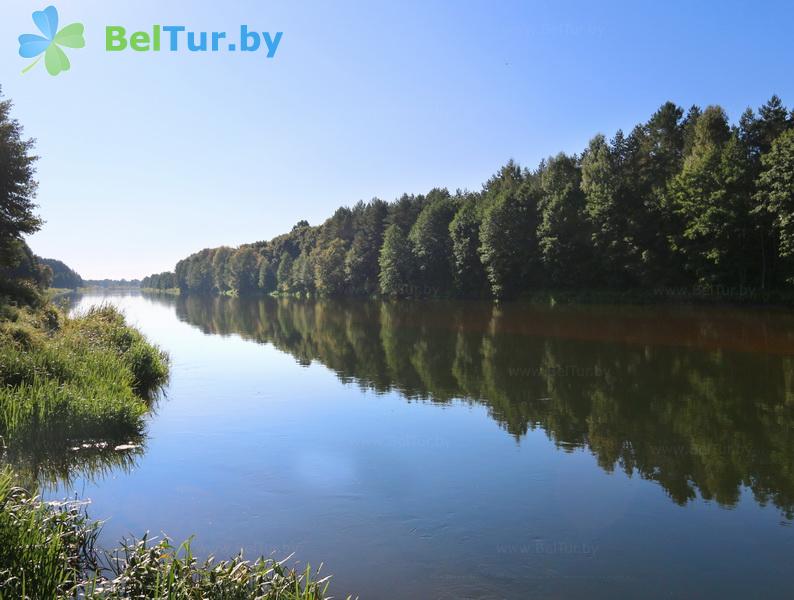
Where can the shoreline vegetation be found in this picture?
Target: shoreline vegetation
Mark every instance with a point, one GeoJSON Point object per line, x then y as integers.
{"type": "Point", "coordinates": [75, 391]}
{"type": "Point", "coordinates": [687, 205]}
{"type": "Point", "coordinates": [85, 384]}
{"type": "Point", "coordinates": [49, 551]}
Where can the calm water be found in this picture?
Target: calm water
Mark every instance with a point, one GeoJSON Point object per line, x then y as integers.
{"type": "Point", "coordinates": [460, 450]}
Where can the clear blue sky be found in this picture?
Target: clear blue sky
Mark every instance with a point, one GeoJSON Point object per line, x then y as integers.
{"type": "Point", "coordinates": [148, 157]}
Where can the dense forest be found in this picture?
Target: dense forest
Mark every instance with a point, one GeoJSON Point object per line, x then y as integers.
{"type": "Point", "coordinates": [685, 200]}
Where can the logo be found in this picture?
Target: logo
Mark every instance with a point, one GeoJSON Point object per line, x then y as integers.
{"type": "Point", "coordinates": [51, 42]}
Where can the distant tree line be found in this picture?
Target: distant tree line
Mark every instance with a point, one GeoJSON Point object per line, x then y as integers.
{"type": "Point", "coordinates": [159, 281]}
{"type": "Point", "coordinates": [685, 199]}
{"type": "Point", "coordinates": [110, 284]}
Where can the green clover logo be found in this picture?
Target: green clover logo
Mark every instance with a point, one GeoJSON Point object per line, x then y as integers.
{"type": "Point", "coordinates": [33, 46]}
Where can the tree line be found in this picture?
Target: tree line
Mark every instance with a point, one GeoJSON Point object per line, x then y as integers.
{"type": "Point", "coordinates": [685, 199]}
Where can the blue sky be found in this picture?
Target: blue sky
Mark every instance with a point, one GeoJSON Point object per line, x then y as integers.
{"type": "Point", "coordinates": [147, 157]}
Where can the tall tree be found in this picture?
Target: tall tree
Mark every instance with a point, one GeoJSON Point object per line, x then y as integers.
{"type": "Point", "coordinates": [361, 261]}
{"type": "Point", "coordinates": [267, 278]}
{"type": "Point", "coordinates": [563, 232]}
{"type": "Point", "coordinates": [775, 197]}
{"type": "Point", "coordinates": [284, 272]}
{"type": "Point", "coordinates": [221, 276]}
{"type": "Point", "coordinates": [244, 270]}
{"type": "Point", "coordinates": [654, 154]}
{"type": "Point", "coordinates": [17, 216]}
{"type": "Point", "coordinates": [17, 191]}
{"type": "Point", "coordinates": [509, 250]}
{"type": "Point", "coordinates": [464, 231]}
{"type": "Point", "coordinates": [431, 243]}
{"type": "Point", "coordinates": [396, 264]}
{"type": "Point", "coordinates": [712, 197]}
{"type": "Point", "coordinates": [605, 212]}
{"type": "Point", "coordinates": [329, 268]}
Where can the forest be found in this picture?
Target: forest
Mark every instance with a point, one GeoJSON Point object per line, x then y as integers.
{"type": "Point", "coordinates": [686, 200]}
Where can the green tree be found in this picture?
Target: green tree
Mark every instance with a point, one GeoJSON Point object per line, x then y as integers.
{"type": "Point", "coordinates": [361, 261]}
{"type": "Point", "coordinates": [563, 236]}
{"type": "Point", "coordinates": [405, 211]}
{"type": "Point", "coordinates": [267, 278]}
{"type": "Point", "coordinates": [221, 275]}
{"type": "Point", "coordinates": [284, 272]}
{"type": "Point", "coordinates": [464, 232]}
{"type": "Point", "coordinates": [329, 268]}
{"type": "Point", "coordinates": [760, 132]}
{"type": "Point", "coordinates": [244, 270]}
{"type": "Point", "coordinates": [396, 264]}
{"type": "Point", "coordinates": [653, 154]}
{"type": "Point", "coordinates": [17, 185]}
{"type": "Point", "coordinates": [712, 197]}
{"type": "Point", "coordinates": [432, 244]}
{"type": "Point", "coordinates": [775, 197]}
{"type": "Point", "coordinates": [302, 278]}
{"type": "Point", "coordinates": [508, 250]}
{"type": "Point", "coordinates": [17, 217]}
{"type": "Point", "coordinates": [605, 212]}
{"type": "Point", "coordinates": [199, 272]}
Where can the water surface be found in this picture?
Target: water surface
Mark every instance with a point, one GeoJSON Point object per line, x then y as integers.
{"type": "Point", "coordinates": [465, 450]}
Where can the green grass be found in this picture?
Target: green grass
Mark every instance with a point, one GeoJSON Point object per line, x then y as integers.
{"type": "Point", "coordinates": [42, 548]}
{"type": "Point", "coordinates": [49, 551]}
{"type": "Point", "coordinates": [70, 380]}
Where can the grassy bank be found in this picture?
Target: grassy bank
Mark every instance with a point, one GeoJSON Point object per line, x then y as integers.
{"type": "Point", "coordinates": [69, 380]}
{"type": "Point", "coordinates": [49, 551]}
{"type": "Point", "coordinates": [67, 384]}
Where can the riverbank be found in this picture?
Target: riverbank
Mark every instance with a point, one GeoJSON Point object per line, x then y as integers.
{"type": "Point", "coordinates": [48, 550]}
{"type": "Point", "coordinates": [88, 382]}
{"type": "Point", "coordinates": [67, 381]}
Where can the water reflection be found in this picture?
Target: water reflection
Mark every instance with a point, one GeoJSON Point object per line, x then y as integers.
{"type": "Point", "coordinates": [699, 400]}
{"type": "Point", "coordinates": [46, 466]}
